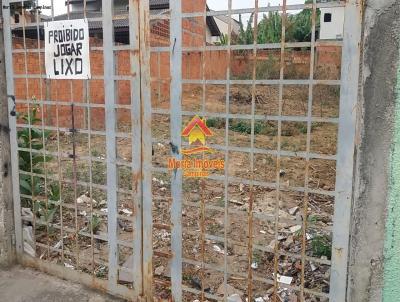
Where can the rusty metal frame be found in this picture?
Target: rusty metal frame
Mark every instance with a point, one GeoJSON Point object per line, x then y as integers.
{"type": "Point", "coordinates": [142, 141]}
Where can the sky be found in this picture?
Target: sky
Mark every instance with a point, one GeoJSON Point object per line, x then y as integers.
{"type": "Point", "coordinates": [60, 8]}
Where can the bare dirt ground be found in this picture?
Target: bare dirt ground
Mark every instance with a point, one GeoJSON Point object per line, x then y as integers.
{"type": "Point", "coordinates": [271, 222]}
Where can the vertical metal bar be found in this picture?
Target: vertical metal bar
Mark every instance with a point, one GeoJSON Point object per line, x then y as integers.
{"type": "Point", "coordinates": [346, 146]}
{"type": "Point", "coordinates": [308, 150]}
{"type": "Point", "coordinates": [43, 131]}
{"type": "Point", "coordinates": [147, 222]}
{"type": "Point", "coordinates": [226, 172]}
{"type": "Point", "coordinates": [89, 128]}
{"type": "Point", "coordinates": [136, 144]}
{"type": "Point", "coordinates": [278, 158]}
{"type": "Point", "coordinates": [251, 200]}
{"type": "Point", "coordinates": [59, 170]}
{"type": "Point", "coordinates": [202, 181]}
{"type": "Point", "coordinates": [109, 89]}
{"type": "Point", "coordinates": [176, 140]}
{"type": "Point", "coordinates": [30, 124]}
{"type": "Point", "coordinates": [74, 164]}
{"type": "Point", "coordinates": [13, 129]}
{"type": "Point", "coordinates": [75, 176]}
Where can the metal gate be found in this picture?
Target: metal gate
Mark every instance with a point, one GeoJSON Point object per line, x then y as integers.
{"type": "Point", "coordinates": [188, 167]}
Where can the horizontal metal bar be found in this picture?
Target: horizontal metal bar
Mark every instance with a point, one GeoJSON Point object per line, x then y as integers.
{"type": "Point", "coordinates": [94, 77]}
{"type": "Point", "coordinates": [66, 252]}
{"type": "Point", "coordinates": [67, 130]}
{"type": "Point", "coordinates": [259, 46]}
{"type": "Point", "coordinates": [245, 276]}
{"type": "Point", "coordinates": [262, 82]}
{"type": "Point", "coordinates": [76, 104]}
{"type": "Point", "coordinates": [257, 117]}
{"type": "Point", "coordinates": [300, 154]}
{"type": "Point", "coordinates": [257, 183]}
{"type": "Point", "coordinates": [76, 276]}
{"type": "Point", "coordinates": [159, 49]}
{"type": "Point", "coordinates": [198, 292]}
{"type": "Point", "coordinates": [207, 82]}
{"type": "Point", "coordinates": [30, 25]}
{"type": "Point", "coordinates": [160, 17]}
{"type": "Point", "coordinates": [259, 247]}
{"type": "Point", "coordinates": [79, 207]}
{"type": "Point", "coordinates": [258, 215]}
{"type": "Point", "coordinates": [80, 183]}
{"type": "Point", "coordinates": [263, 9]}
{"type": "Point", "coordinates": [101, 236]}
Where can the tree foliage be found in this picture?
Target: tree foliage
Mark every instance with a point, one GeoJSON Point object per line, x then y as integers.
{"type": "Point", "coordinates": [298, 28]}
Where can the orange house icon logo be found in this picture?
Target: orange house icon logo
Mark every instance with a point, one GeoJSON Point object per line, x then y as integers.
{"type": "Point", "coordinates": [197, 131]}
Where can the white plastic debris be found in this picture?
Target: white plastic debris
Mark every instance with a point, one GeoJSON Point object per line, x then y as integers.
{"type": "Point", "coordinates": [254, 265]}
{"type": "Point", "coordinates": [313, 267]}
{"type": "Point", "coordinates": [295, 228]}
{"type": "Point", "coordinates": [127, 212]}
{"type": "Point", "coordinates": [164, 235]}
{"type": "Point", "coordinates": [263, 232]}
{"type": "Point", "coordinates": [67, 265]}
{"type": "Point", "coordinates": [29, 243]}
{"type": "Point", "coordinates": [83, 199]}
{"type": "Point", "coordinates": [285, 279]}
{"type": "Point", "coordinates": [104, 210]}
{"type": "Point", "coordinates": [293, 211]}
{"type": "Point", "coordinates": [218, 249]}
{"type": "Point", "coordinates": [58, 244]}
{"type": "Point", "coordinates": [259, 299]}
{"type": "Point", "coordinates": [26, 214]}
{"type": "Point", "coordinates": [234, 298]}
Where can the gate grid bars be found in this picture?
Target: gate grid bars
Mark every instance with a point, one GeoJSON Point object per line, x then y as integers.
{"type": "Point", "coordinates": [102, 206]}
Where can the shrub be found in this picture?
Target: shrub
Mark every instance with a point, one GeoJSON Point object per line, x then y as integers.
{"type": "Point", "coordinates": [34, 139]}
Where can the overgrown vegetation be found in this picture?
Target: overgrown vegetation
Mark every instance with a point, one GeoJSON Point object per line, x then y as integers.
{"type": "Point", "coordinates": [269, 30]}
{"type": "Point", "coordinates": [242, 126]}
{"type": "Point", "coordinates": [31, 165]}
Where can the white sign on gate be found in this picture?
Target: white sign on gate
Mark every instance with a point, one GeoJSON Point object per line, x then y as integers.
{"type": "Point", "coordinates": [67, 49]}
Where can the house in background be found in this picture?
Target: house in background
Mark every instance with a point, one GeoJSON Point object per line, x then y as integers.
{"type": "Point", "coordinates": [223, 25]}
{"type": "Point", "coordinates": [331, 23]}
{"type": "Point", "coordinates": [158, 27]}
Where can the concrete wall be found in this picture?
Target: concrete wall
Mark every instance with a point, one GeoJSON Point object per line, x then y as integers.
{"type": "Point", "coordinates": [377, 116]}
{"type": "Point", "coordinates": [6, 203]}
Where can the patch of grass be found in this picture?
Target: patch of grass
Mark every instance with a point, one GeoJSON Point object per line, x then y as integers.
{"type": "Point", "coordinates": [221, 203]}
{"type": "Point", "coordinates": [218, 123]}
{"type": "Point", "coordinates": [245, 127]}
{"type": "Point", "coordinates": [302, 127]}
{"type": "Point", "coordinates": [95, 223]}
{"type": "Point", "coordinates": [257, 256]}
{"type": "Point", "coordinates": [321, 246]}
{"type": "Point", "coordinates": [242, 126]}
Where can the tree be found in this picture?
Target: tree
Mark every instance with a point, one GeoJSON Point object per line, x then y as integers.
{"type": "Point", "coordinates": [270, 28]}
{"type": "Point", "coordinates": [298, 28]}
{"type": "Point", "coordinates": [246, 36]}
